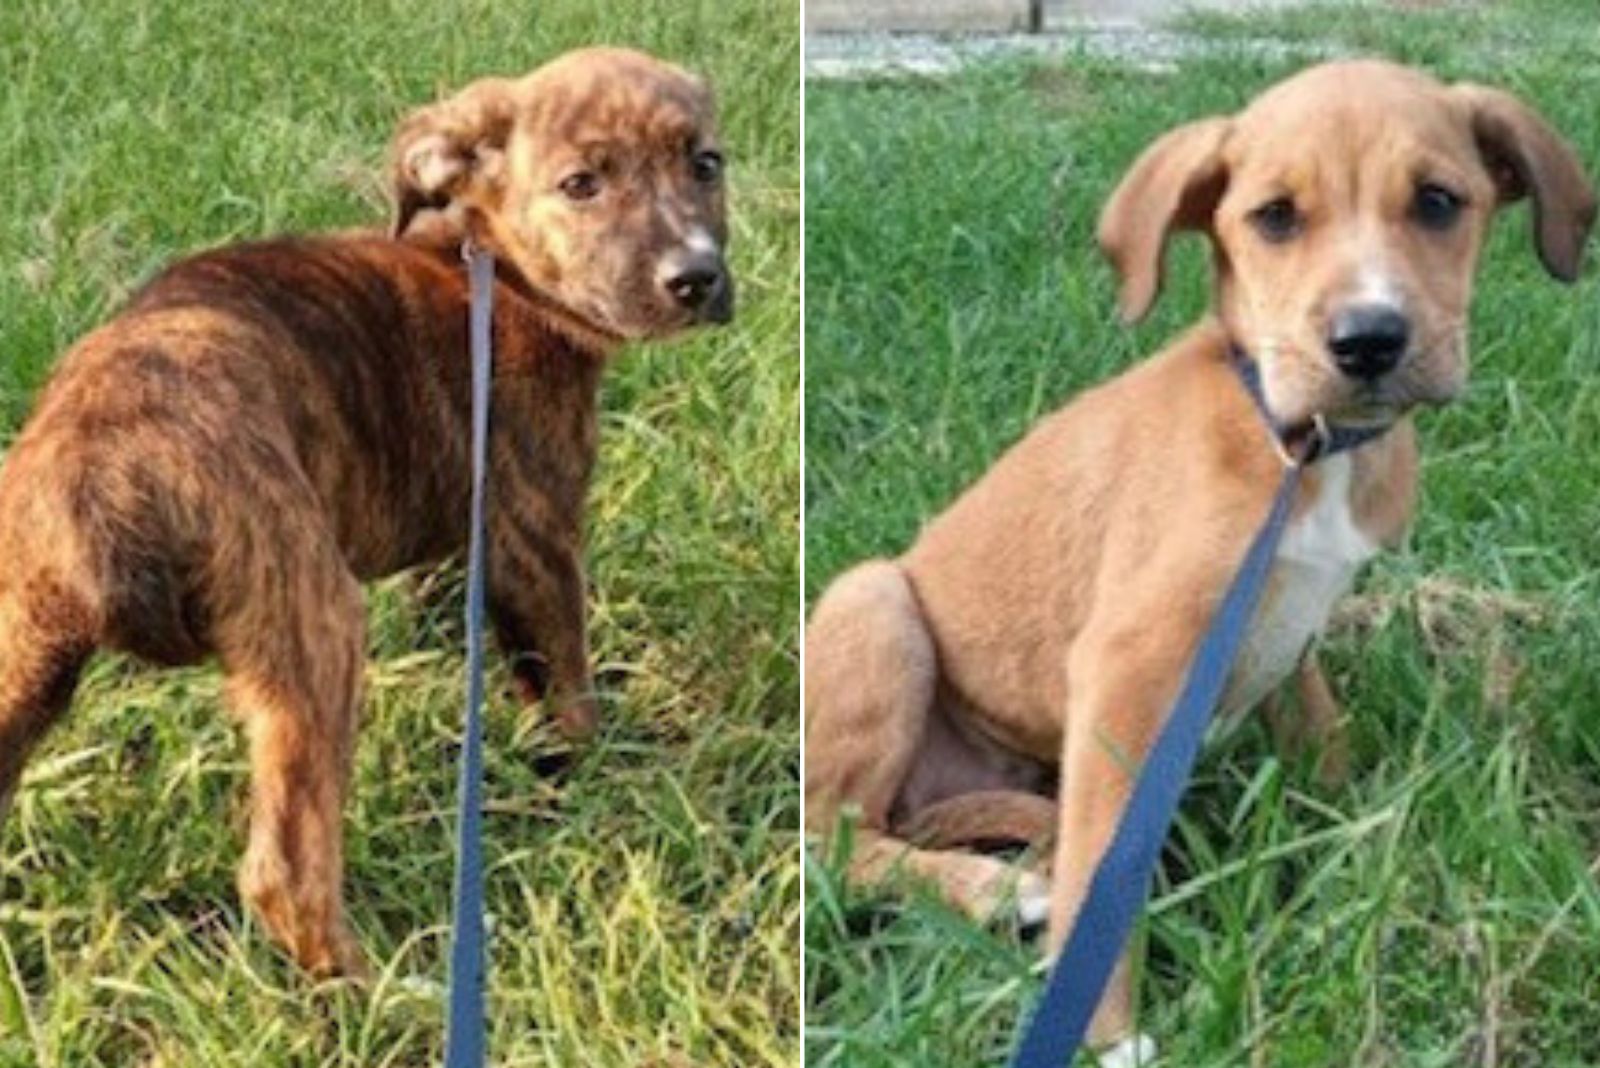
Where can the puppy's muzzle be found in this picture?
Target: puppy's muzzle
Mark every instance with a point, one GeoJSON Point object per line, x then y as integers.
{"type": "Point", "coordinates": [1367, 341]}
{"type": "Point", "coordinates": [698, 282]}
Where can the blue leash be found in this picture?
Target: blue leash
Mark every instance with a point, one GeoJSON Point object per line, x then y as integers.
{"type": "Point", "coordinates": [1121, 881]}
{"type": "Point", "coordinates": [464, 1030]}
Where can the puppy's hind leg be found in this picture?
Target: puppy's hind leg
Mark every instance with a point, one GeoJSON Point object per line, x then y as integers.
{"type": "Point", "coordinates": [294, 656]}
{"type": "Point", "coordinates": [44, 641]}
{"type": "Point", "coordinates": [871, 680]}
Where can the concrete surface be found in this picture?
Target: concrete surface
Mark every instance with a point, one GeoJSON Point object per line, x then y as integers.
{"type": "Point", "coordinates": [1058, 11]}
{"type": "Point", "coordinates": [934, 16]}
{"type": "Point", "coordinates": [890, 55]}
{"type": "Point", "coordinates": [998, 16]}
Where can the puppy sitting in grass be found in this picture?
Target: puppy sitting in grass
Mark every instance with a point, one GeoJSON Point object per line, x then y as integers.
{"type": "Point", "coordinates": [1007, 676]}
{"type": "Point", "coordinates": [215, 471]}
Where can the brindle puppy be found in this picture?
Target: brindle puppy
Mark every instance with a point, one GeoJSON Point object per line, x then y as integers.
{"type": "Point", "coordinates": [215, 471]}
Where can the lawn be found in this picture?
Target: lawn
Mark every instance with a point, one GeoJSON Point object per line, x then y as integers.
{"type": "Point", "coordinates": [1440, 909]}
{"type": "Point", "coordinates": [646, 898]}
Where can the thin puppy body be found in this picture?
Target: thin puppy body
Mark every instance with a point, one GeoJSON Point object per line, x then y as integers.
{"type": "Point", "coordinates": [215, 471]}
{"type": "Point", "coordinates": [1029, 644]}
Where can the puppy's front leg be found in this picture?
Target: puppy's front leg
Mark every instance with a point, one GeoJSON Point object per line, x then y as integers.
{"type": "Point", "coordinates": [1124, 675]}
{"type": "Point", "coordinates": [536, 600]}
{"type": "Point", "coordinates": [1316, 726]}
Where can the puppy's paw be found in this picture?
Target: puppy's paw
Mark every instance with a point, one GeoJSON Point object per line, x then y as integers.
{"type": "Point", "coordinates": [339, 959]}
{"type": "Point", "coordinates": [1005, 895]}
{"type": "Point", "coordinates": [578, 720]}
{"type": "Point", "coordinates": [1332, 769]}
{"type": "Point", "coordinates": [1033, 901]}
{"type": "Point", "coordinates": [1135, 1051]}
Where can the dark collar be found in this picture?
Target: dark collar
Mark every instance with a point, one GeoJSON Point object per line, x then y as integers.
{"type": "Point", "coordinates": [1305, 442]}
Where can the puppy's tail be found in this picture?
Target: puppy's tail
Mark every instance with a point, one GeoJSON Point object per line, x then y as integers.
{"type": "Point", "coordinates": [985, 819]}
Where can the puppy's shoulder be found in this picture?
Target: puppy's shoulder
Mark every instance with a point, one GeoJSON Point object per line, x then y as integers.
{"type": "Point", "coordinates": [1152, 399]}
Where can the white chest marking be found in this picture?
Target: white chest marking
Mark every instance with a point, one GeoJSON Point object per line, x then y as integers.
{"type": "Point", "coordinates": [1316, 562]}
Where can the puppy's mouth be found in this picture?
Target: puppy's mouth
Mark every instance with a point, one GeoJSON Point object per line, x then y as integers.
{"type": "Point", "coordinates": [1309, 389]}
{"type": "Point", "coordinates": [661, 322]}
{"type": "Point", "coordinates": [1421, 379]}
{"type": "Point", "coordinates": [1368, 409]}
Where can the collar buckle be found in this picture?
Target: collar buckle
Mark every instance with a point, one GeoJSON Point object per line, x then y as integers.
{"type": "Point", "coordinates": [1295, 446]}
{"type": "Point", "coordinates": [1318, 440]}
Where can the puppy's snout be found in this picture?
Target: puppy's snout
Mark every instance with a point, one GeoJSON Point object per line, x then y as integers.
{"type": "Point", "coordinates": [694, 285]}
{"type": "Point", "coordinates": [1368, 340]}
{"type": "Point", "coordinates": [697, 280]}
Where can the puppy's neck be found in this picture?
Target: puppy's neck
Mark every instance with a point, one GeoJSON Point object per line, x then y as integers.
{"type": "Point", "coordinates": [443, 231]}
{"type": "Point", "coordinates": [599, 343]}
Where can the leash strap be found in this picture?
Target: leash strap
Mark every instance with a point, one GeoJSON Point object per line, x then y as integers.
{"type": "Point", "coordinates": [1117, 892]}
{"type": "Point", "coordinates": [464, 1030]}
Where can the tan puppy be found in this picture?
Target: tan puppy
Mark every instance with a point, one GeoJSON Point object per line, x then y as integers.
{"type": "Point", "coordinates": [215, 471]}
{"type": "Point", "coordinates": [1033, 638]}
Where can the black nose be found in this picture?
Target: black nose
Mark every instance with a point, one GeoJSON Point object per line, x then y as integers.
{"type": "Point", "coordinates": [696, 282]}
{"type": "Point", "coordinates": [1367, 340]}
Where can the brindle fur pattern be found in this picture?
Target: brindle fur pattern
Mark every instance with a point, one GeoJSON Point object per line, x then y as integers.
{"type": "Point", "coordinates": [265, 426]}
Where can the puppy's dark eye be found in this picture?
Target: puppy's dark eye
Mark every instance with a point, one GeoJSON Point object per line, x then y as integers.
{"type": "Point", "coordinates": [1277, 220]}
{"type": "Point", "coordinates": [1435, 207]}
{"type": "Point", "coordinates": [707, 166]}
{"type": "Point", "coordinates": [582, 185]}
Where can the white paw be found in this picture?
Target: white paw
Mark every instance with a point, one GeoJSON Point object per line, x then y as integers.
{"type": "Point", "coordinates": [1135, 1051]}
{"type": "Point", "coordinates": [1033, 900]}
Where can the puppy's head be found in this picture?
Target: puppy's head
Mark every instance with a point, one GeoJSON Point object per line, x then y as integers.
{"type": "Point", "coordinates": [599, 178]}
{"type": "Point", "coordinates": [1346, 208]}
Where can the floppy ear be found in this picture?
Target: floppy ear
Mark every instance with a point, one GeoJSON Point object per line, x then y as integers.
{"type": "Point", "coordinates": [452, 148]}
{"type": "Point", "coordinates": [1526, 157]}
{"type": "Point", "coordinates": [1174, 185]}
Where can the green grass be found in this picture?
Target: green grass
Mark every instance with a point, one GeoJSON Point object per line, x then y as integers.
{"type": "Point", "coordinates": [647, 900]}
{"type": "Point", "coordinates": [1440, 909]}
